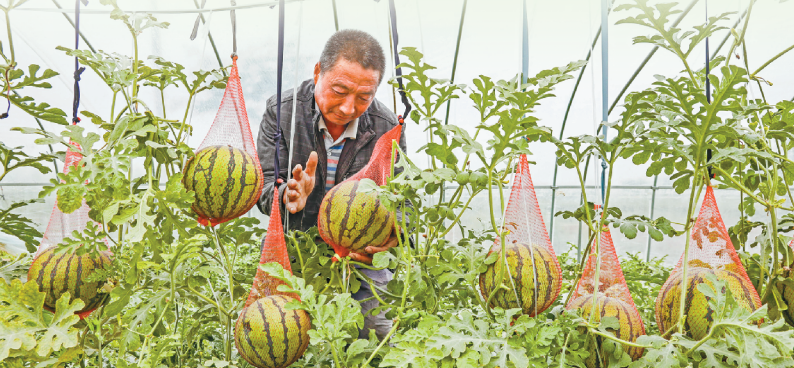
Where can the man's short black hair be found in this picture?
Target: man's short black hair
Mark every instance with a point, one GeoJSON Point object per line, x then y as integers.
{"type": "Point", "coordinates": [355, 46]}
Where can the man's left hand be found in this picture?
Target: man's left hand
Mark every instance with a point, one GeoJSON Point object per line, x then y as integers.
{"type": "Point", "coordinates": [367, 257]}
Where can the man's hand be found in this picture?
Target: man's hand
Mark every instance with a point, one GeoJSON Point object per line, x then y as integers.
{"type": "Point", "coordinates": [301, 185]}
{"type": "Point", "coordinates": [367, 258]}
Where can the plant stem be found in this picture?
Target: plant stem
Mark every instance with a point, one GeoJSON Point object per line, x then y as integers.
{"type": "Point", "coordinates": [184, 119]}
{"type": "Point", "coordinates": [741, 37]}
{"type": "Point", "coordinates": [113, 106]}
{"type": "Point", "coordinates": [162, 101]}
{"type": "Point", "coordinates": [208, 300]}
{"type": "Point", "coordinates": [685, 263]}
{"type": "Point", "coordinates": [612, 337]}
{"type": "Point", "coordinates": [10, 39]}
{"type": "Point", "coordinates": [382, 342]}
{"type": "Point", "coordinates": [771, 60]}
{"type": "Point", "coordinates": [231, 294]}
{"type": "Point", "coordinates": [337, 362]}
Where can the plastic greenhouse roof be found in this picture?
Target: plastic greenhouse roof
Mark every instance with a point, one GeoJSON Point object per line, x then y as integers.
{"type": "Point", "coordinates": [491, 44]}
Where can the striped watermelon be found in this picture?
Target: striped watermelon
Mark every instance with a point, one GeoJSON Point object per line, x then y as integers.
{"type": "Point", "coordinates": [631, 326]}
{"type": "Point", "coordinates": [227, 183]}
{"type": "Point", "coordinates": [698, 312]}
{"type": "Point", "coordinates": [58, 273]}
{"type": "Point", "coordinates": [353, 220]}
{"type": "Point", "coordinates": [524, 262]}
{"type": "Point", "coordinates": [268, 335]}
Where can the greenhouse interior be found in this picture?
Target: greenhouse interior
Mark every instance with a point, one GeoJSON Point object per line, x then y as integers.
{"type": "Point", "coordinates": [397, 183]}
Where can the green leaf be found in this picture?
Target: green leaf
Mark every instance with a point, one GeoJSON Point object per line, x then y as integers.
{"type": "Point", "coordinates": [59, 334]}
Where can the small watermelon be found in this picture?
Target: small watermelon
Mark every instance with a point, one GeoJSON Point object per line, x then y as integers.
{"type": "Point", "coordinates": [353, 220]}
{"type": "Point", "coordinates": [697, 310]}
{"type": "Point", "coordinates": [532, 270]}
{"type": "Point", "coordinates": [57, 274]}
{"type": "Point", "coordinates": [631, 326]}
{"type": "Point", "coordinates": [268, 335]}
{"type": "Point", "coordinates": [227, 182]}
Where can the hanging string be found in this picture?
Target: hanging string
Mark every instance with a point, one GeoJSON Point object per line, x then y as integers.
{"type": "Point", "coordinates": [403, 98]}
{"type": "Point", "coordinates": [708, 86]}
{"type": "Point", "coordinates": [234, 30]}
{"type": "Point", "coordinates": [77, 68]}
{"type": "Point", "coordinates": [294, 105]}
{"type": "Point", "coordinates": [279, 72]}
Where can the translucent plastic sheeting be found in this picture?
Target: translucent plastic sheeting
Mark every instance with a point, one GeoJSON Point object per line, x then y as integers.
{"type": "Point", "coordinates": [559, 32]}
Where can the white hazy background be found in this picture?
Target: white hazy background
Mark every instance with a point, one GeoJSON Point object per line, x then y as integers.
{"type": "Point", "coordinates": [491, 45]}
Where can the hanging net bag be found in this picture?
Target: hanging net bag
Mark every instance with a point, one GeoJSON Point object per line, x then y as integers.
{"type": "Point", "coordinates": [225, 173]}
{"type": "Point", "coordinates": [612, 299]}
{"type": "Point", "coordinates": [351, 220]}
{"type": "Point", "coordinates": [265, 317]}
{"type": "Point", "coordinates": [533, 274]}
{"type": "Point", "coordinates": [710, 252]}
{"type": "Point", "coordinates": [59, 273]}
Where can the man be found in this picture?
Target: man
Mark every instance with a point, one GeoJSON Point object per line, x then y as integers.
{"type": "Point", "coordinates": [337, 123]}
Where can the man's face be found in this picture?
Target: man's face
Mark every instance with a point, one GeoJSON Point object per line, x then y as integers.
{"type": "Point", "coordinates": [345, 91]}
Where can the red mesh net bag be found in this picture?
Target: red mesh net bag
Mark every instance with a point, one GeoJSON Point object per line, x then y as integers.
{"type": "Point", "coordinates": [274, 249]}
{"type": "Point", "coordinates": [612, 298]}
{"type": "Point", "coordinates": [533, 272]}
{"type": "Point", "coordinates": [350, 220]}
{"type": "Point", "coordinates": [225, 174]}
{"type": "Point", "coordinates": [51, 271]}
{"type": "Point", "coordinates": [61, 224]}
{"type": "Point", "coordinates": [710, 252]}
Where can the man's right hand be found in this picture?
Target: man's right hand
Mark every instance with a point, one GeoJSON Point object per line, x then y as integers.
{"type": "Point", "coordinates": [301, 185]}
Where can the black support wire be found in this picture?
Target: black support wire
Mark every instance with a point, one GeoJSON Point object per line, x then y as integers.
{"type": "Point", "coordinates": [399, 72]}
{"type": "Point", "coordinates": [74, 26]}
{"type": "Point", "coordinates": [77, 69]}
{"type": "Point", "coordinates": [280, 69]}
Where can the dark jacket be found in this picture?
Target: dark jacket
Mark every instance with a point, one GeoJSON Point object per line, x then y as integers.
{"type": "Point", "coordinates": [375, 122]}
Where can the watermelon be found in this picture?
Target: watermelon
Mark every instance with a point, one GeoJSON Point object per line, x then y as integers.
{"type": "Point", "coordinates": [697, 310]}
{"type": "Point", "coordinates": [57, 274]}
{"type": "Point", "coordinates": [268, 335]}
{"type": "Point", "coordinates": [524, 263]}
{"type": "Point", "coordinates": [227, 182]}
{"type": "Point", "coordinates": [353, 220]}
{"type": "Point", "coordinates": [631, 326]}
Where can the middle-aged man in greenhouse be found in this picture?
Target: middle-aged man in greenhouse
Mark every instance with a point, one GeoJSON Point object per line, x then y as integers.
{"type": "Point", "coordinates": [337, 123]}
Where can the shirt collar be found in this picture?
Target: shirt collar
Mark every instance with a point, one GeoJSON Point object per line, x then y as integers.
{"type": "Point", "coordinates": [350, 131]}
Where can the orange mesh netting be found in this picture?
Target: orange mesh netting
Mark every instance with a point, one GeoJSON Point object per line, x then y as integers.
{"type": "Point", "coordinates": [231, 128]}
{"type": "Point", "coordinates": [378, 169]}
{"type": "Point", "coordinates": [522, 216]}
{"type": "Point", "coordinates": [274, 249]}
{"type": "Point", "coordinates": [525, 224]}
{"type": "Point", "coordinates": [710, 248]}
{"type": "Point", "coordinates": [611, 282]}
{"type": "Point", "coordinates": [379, 166]}
{"type": "Point", "coordinates": [62, 224]}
